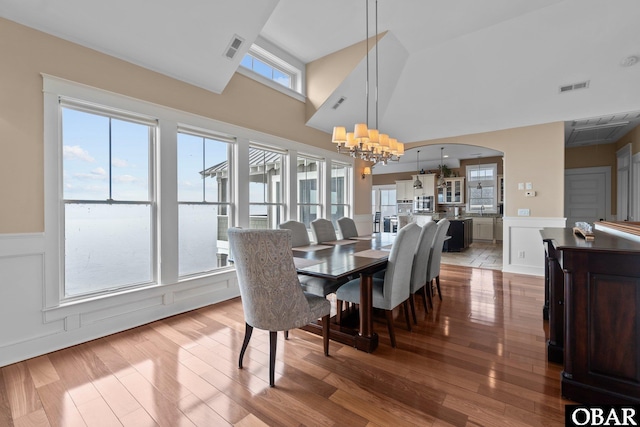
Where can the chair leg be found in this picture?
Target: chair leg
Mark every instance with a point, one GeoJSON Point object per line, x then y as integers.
{"type": "Point", "coordinates": [406, 314]}
{"type": "Point", "coordinates": [273, 341]}
{"type": "Point", "coordinates": [248, 329]}
{"type": "Point", "coordinates": [392, 335]}
{"type": "Point", "coordinates": [286, 335]}
{"type": "Point", "coordinates": [413, 308]}
{"type": "Point", "coordinates": [438, 286]}
{"type": "Point", "coordinates": [325, 334]}
{"type": "Point", "coordinates": [425, 298]}
{"type": "Point", "coordinates": [430, 292]}
{"type": "Point", "coordinates": [338, 311]}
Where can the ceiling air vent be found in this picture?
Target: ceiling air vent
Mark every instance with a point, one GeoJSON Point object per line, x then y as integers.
{"type": "Point", "coordinates": [233, 46]}
{"type": "Point", "coordinates": [581, 85]}
{"type": "Point", "coordinates": [339, 103]}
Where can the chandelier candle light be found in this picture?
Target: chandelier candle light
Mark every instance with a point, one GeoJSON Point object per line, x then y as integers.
{"type": "Point", "coordinates": [364, 142]}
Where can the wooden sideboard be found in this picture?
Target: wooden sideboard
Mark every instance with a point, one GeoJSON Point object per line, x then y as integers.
{"type": "Point", "coordinates": [594, 315]}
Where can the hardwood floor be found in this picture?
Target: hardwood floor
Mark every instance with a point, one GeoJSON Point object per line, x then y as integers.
{"type": "Point", "coordinates": [477, 359]}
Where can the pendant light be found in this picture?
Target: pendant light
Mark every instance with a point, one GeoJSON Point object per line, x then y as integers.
{"type": "Point", "coordinates": [479, 186]}
{"type": "Point", "coordinates": [417, 184]}
{"type": "Point", "coordinates": [442, 183]}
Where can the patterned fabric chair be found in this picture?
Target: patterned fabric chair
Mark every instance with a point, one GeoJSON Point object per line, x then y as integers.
{"type": "Point", "coordinates": [420, 266]}
{"type": "Point", "coordinates": [395, 288]}
{"type": "Point", "coordinates": [323, 230]}
{"type": "Point", "coordinates": [347, 227]}
{"type": "Point", "coordinates": [433, 271]}
{"type": "Point", "coordinates": [313, 285]}
{"type": "Point", "coordinates": [272, 298]}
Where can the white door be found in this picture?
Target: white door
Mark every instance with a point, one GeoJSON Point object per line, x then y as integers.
{"type": "Point", "coordinates": [587, 194]}
{"type": "Point", "coordinates": [623, 161]}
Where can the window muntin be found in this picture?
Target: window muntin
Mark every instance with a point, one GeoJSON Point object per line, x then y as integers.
{"type": "Point", "coordinates": [482, 199]}
{"type": "Point", "coordinates": [266, 187]}
{"type": "Point", "coordinates": [308, 177]}
{"type": "Point", "coordinates": [340, 179]}
{"type": "Point", "coordinates": [108, 197]}
{"type": "Point", "coordinates": [272, 67]}
{"type": "Point", "coordinates": [203, 202]}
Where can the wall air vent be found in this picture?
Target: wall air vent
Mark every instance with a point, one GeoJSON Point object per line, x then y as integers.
{"type": "Point", "coordinates": [568, 88]}
{"type": "Point", "coordinates": [233, 46]}
{"type": "Point", "coordinates": [339, 103]}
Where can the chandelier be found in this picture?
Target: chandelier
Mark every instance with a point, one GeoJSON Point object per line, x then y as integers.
{"type": "Point", "coordinates": [368, 143]}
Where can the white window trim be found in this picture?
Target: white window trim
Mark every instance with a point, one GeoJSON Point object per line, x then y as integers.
{"type": "Point", "coordinates": [169, 120]}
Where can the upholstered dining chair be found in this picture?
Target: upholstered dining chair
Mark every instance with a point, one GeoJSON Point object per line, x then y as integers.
{"type": "Point", "coordinates": [394, 289]}
{"type": "Point", "coordinates": [272, 298]}
{"type": "Point", "coordinates": [323, 230]}
{"type": "Point", "coordinates": [313, 285]}
{"type": "Point", "coordinates": [299, 234]}
{"type": "Point", "coordinates": [420, 266]}
{"type": "Point", "coordinates": [435, 258]}
{"type": "Point", "coordinates": [347, 227]}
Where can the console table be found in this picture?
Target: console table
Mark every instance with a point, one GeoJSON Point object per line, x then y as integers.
{"type": "Point", "coordinates": [594, 315]}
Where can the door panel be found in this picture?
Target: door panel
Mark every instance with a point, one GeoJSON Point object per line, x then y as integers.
{"type": "Point", "coordinates": [585, 196]}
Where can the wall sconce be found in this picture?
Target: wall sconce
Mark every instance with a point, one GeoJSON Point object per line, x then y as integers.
{"type": "Point", "coordinates": [366, 171]}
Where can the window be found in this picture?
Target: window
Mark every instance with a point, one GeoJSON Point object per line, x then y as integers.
{"type": "Point", "coordinates": [108, 197]}
{"type": "Point", "coordinates": [339, 191]}
{"type": "Point", "coordinates": [309, 207]}
{"type": "Point", "coordinates": [203, 201]}
{"type": "Point", "coordinates": [272, 67]}
{"type": "Point", "coordinates": [384, 199]}
{"type": "Point", "coordinates": [482, 199]}
{"type": "Point", "coordinates": [266, 207]}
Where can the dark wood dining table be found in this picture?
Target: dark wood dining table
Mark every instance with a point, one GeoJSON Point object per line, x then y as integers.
{"type": "Point", "coordinates": [358, 257]}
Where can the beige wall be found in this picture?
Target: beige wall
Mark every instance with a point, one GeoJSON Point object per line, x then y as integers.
{"type": "Point", "coordinates": [26, 53]}
{"type": "Point", "coordinates": [531, 154]}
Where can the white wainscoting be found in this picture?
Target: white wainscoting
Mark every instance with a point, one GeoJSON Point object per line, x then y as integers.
{"type": "Point", "coordinates": [523, 251]}
{"type": "Point", "coordinates": [28, 330]}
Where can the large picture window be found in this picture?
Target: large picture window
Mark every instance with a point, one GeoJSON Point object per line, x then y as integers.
{"type": "Point", "coordinates": [309, 205]}
{"type": "Point", "coordinates": [203, 201]}
{"type": "Point", "coordinates": [340, 178]}
{"type": "Point", "coordinates": [266, 207]}
{"type": "Point", "coordinates": [108, 197]}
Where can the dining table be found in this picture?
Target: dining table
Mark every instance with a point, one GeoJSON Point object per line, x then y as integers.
{"type": "Point", "coordinates": [359, 257]}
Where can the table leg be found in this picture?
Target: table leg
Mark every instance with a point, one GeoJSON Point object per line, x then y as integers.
{"type": "Point", "coordinates": [366, 340]}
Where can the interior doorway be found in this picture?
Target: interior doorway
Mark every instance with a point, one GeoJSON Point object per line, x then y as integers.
{"type": "Point", "coordinates": [587, 194]}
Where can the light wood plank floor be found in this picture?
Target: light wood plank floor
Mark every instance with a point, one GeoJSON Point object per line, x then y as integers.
{"type": "Point", "coordinates": [477, 359]}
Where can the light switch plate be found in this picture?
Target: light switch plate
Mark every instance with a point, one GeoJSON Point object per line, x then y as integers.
{"type": "Point", "coordinates": [524, 212]}
{"type": "Point", "coordinates": [521, 186]}
{"type": "Point", "coordinates": [528, 186]}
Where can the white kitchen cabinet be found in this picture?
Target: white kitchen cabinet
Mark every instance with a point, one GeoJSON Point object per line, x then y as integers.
{"type": "Point", "coordinates": [483, 228]}
{"type": "Point", "coordinates": [404, 190]}
{"type": "Point", "coordinates": [428, 185]}
{"type": "Point", "coordinates": [453, 193]}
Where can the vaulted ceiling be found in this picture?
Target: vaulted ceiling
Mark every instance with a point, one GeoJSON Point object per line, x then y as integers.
{"type": "Point", "coordinates": [446, 68]}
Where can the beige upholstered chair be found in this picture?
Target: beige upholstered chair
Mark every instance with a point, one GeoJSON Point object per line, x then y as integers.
{"type": "Point", "coordinates": [299, 234]}
{"type": "Point", "coordinates": [420, 266]}
{"type": "Point", "coordinates": [272, 298]}
{"type": "Point", "coordinates": [436, 255]}
{"type": "Point", "coordinates": [347, 227]}
{"type": "Point", "coordinates": [313, 285]}
{"type": "Point", "coordinates": [323, 230]}
{"type": "Point", "coordinates": [395, 288]}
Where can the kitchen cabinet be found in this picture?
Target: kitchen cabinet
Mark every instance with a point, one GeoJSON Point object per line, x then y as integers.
{"type": "Point", "coordinates": [428, 185]}
{"type": "Point", "coordinates": [404, 190]}
{"type": "Point", "coordinates": [500, 189]}
{"type": "Point", "coordinates": [453, 193]}
{"type": "Point", "coordinates": [483, 228]}
{"type": "Point", "coordinates": [497, 232]}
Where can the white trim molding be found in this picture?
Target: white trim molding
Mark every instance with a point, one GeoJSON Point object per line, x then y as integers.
{"type": "Point", "coordinates": [523, 251]}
